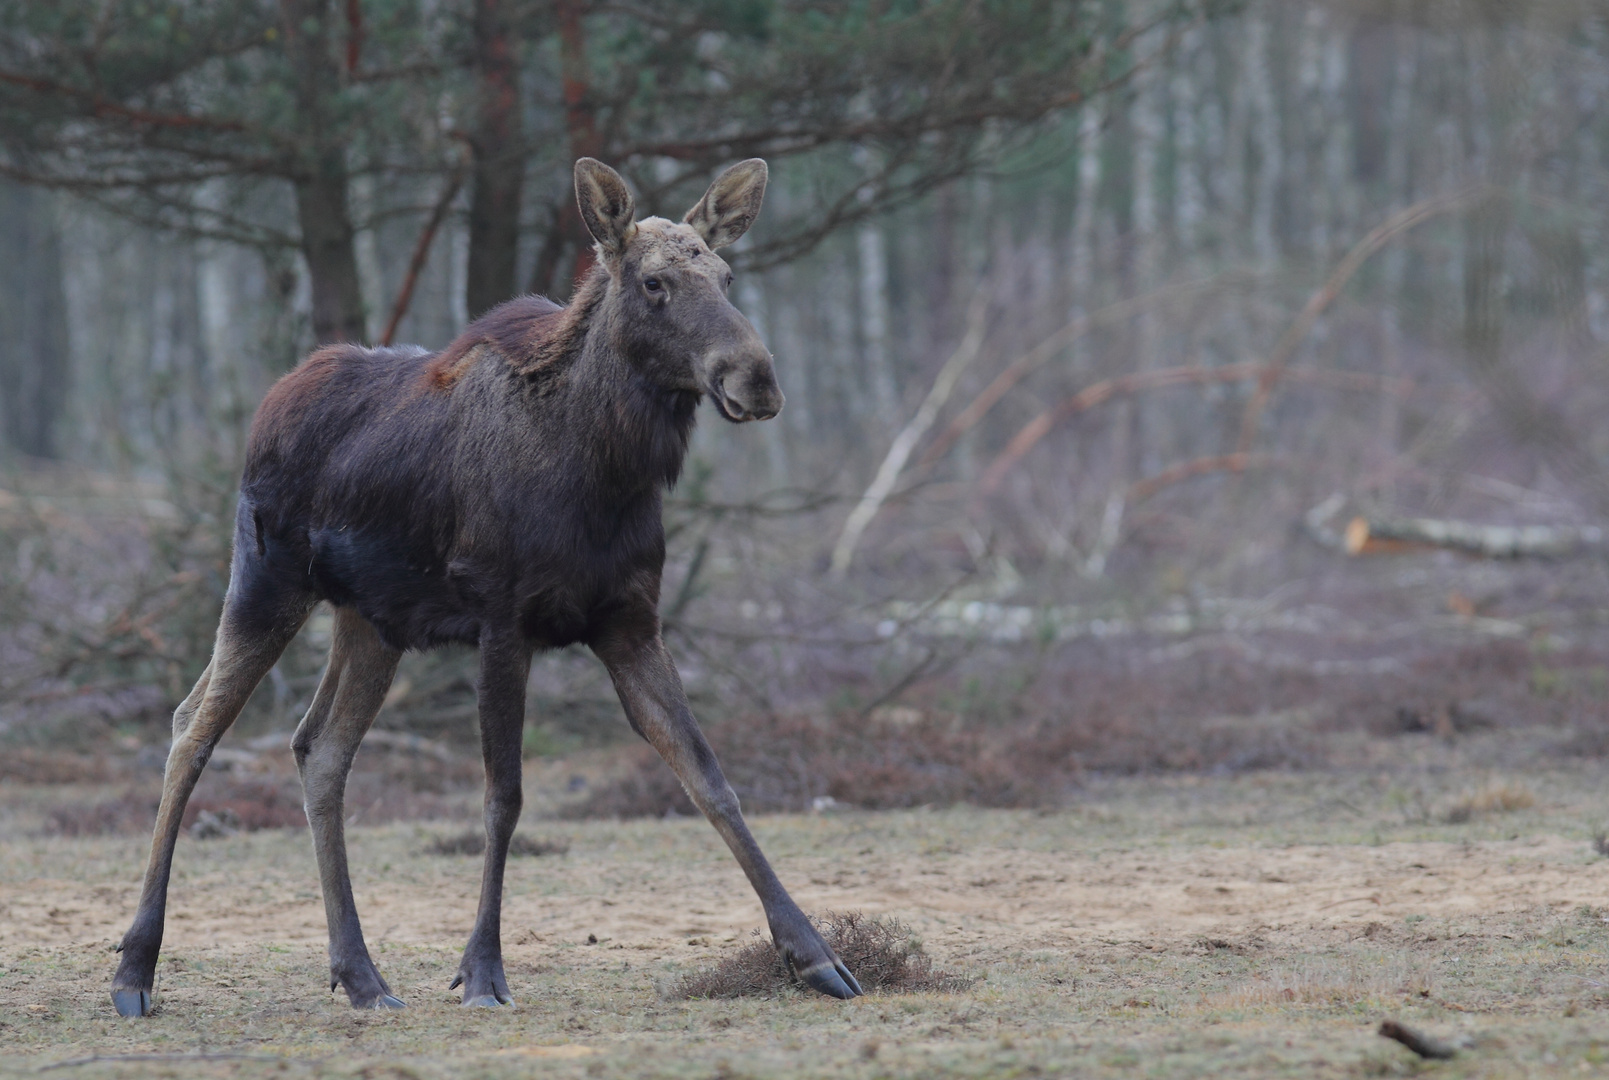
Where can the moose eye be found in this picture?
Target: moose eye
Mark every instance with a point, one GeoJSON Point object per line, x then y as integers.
{"type": "Point", "coordinates": [729, 279]}
{"type": "Point", "coordinates": [653, 285]}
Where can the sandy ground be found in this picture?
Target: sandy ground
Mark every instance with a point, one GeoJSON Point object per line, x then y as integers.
{"type": "Point", "coordinates": [614, 886]}
{"type": "Point", "coordinates": [1183, 900]}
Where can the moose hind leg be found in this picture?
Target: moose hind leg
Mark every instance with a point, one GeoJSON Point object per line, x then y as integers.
{"type": "Point", "coordinates": [505, 663]}
{"type": "Point", "coordinates": [348, 698]}
{"type": "Point", "coordinates": [244, 651]}
{"type": "Point", "coordinates": [655, 703]}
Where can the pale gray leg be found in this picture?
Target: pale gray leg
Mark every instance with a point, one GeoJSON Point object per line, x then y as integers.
{"type": "Point", "coordinates": [245, 649]}
{"type": "Point", "coordinates": [348, 698]}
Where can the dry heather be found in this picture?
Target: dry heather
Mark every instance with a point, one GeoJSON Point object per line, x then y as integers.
{"type": "Point", "coordinates": [1255, 925]}
{"type": "Point", "coordinates": [1491, 798]}
{"type": "Point", "coordinates": [885, 955]}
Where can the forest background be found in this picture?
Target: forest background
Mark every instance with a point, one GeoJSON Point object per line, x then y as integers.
{"type": "Point", "coordinates": [1186, 385]}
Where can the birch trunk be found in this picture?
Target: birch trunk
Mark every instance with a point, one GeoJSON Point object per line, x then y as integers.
{"type": "Point", "coordinates": [873, 252]}
{"type": "Point", "coordinates": [1264, 124]}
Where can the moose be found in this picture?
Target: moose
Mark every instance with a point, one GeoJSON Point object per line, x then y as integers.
{"type": "Point", "coordinates": [505, 492]}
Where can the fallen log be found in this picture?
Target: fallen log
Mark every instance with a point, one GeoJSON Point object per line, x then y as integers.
{"type": "Point", "coordinates": [1371, 536]}
{"type": "Point", "coordinates": [1366, 535]}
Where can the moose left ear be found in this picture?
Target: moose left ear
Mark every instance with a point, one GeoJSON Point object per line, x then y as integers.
{"type": "Point", "coordinates": [606, 205]}
{"type": "Point", "coordinates": [731, 204]}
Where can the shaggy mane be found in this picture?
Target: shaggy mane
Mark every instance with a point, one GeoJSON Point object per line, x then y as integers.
{"type": "Point", "coordinates": [534, 336]}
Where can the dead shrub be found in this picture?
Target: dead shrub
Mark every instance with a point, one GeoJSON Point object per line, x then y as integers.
{"type": "Point", "coordinates": [884, 955]}
{"type": "Point", "coordinates": [131, 812]}
{"type": "Point", "coordinates": [1491, 799]}
{"type": "Point", "coordinates": [786, 763]}
{"type": "Point", "coordinates": [27, 765]}
{"type": "Point", "coordinates": [215, 825]}
{"type": "Point", "coordinates": [249, 805]}
{"type": "Point", "coordinates": [473, 842]}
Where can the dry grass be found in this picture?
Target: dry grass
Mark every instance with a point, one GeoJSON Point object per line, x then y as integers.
{"type": "Point", "coordinates": [1490, 798]}
{"type": "Point", "coordinates": [885, 955]}
{"type": "Point", "coordinates": [1175, 927]}
{"type": "Point", "coordinates": [128, 812]}
{"type": "Point", "coordinates": [1328, 982]}
{"type": "Point", "coordinates": [473, 842]}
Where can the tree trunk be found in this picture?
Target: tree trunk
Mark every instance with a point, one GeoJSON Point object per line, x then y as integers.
{"type": "Point", "coordinates": [327, 243]}
{"type": "Point", "coordinates": [1265, 125]}
{"type": "Point", "coordinates": [874, 308]}
{"type": "Point", "coordinates": [1184, 94]}
{"type": "Point", "coordinates": [494, 209]}
{"type": "Point", "coordinates": [568, 234]}
{"type": "Point", "coordinates": [1147, 449]}
{"type": "Point", "coordinates": [33, 310]}
{"type": "Point", "coordinates": [322, 179]}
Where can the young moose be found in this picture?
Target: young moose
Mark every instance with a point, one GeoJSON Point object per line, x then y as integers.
{"type": "Point", "coordinates": [504, 492]}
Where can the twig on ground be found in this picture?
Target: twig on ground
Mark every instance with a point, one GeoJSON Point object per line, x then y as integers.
{"type": "Point", "coordinates": [1423, 1045]}
{"type": "Point", "coordinates": [95, 1059]}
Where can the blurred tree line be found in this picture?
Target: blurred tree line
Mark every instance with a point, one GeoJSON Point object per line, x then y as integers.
{"type": "Point", "coordinates": [299, 125]}
{"type": "Point", "coordinates": [1123, 192]}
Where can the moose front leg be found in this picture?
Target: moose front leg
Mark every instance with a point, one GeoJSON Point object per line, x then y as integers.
{"type": "Point", "coordinates": [505, 664]}
{"type": "Point", "coordinates": [655, 703]}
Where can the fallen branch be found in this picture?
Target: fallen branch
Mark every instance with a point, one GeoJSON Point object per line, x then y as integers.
{"type": "Point", "coordinates": [1377, 238]}
{"type": "Point", "coordinates": [1364, 536]}
{"type": "Point", "coordinates": [1237, 462]}
{"type": "Point", "coordinates": [1042, 353]}
{"type": "Point", "coordinates": [1393, 536]}
{"type": "Point", "coordinates": [905, 442]}
{"type": "Point", "coordinates": [1423, 1045]}
{"type": "Point", "coordinates": [1101, 392]}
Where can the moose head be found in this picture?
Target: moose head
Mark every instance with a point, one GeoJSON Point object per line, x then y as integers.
{"type": "Point", "coordinates": [671, 316]}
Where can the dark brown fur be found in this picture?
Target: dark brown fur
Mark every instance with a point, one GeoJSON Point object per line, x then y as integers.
{"type": "Point", "coordinates": [505, 493]}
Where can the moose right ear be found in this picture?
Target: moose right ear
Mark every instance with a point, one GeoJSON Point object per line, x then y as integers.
{"type": "Point", "coordinates": [605, 204]}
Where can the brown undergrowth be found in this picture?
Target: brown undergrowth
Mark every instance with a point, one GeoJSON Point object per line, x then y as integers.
{"type": "Point", "coordinates": [1106, 713]}
{"type": "Point", "coordinates": [884, 954]}
{"type": "Point", "coordinates": [473, 842]}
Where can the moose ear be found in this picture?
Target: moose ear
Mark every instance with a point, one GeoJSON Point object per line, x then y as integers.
{"type": "Point", "coordinates": [731, 204]}
{"type": "Point", "coordinates": [605, 204]}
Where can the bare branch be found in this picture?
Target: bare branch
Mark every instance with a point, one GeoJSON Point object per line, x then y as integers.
{"type": "Point", "coordinates": [1377, 238]}
{"type": "Point", "coordinates": [905, 442]}
{"type": "Point", "coordinates": [421, 252]}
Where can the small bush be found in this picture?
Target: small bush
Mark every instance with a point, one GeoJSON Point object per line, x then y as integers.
{"type": "Point", "coordinates": [248, 805]}
{"type": "Point", "coordinates": [882, 954]}
{"type": "Point", "coordinates": [130, 812]}
{"type": "Point", "coordinates": [1492, 799]}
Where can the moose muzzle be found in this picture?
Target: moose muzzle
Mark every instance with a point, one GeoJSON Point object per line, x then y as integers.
{"type": "Point", "coordinates": [744, 385]}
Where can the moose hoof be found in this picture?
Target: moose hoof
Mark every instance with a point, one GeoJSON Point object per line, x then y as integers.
{"type": "Point", "coordinates": [832, 979]}
{"type": "Point", "coordinates": [132, 1002]}
{"type": "Point", "coordinates": [486, 1001]}
{"type": "Point", "coordinates": [384, 1001]}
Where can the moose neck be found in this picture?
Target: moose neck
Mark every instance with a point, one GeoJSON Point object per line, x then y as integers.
{"type": "Point", "coordinates": [639, 432]}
